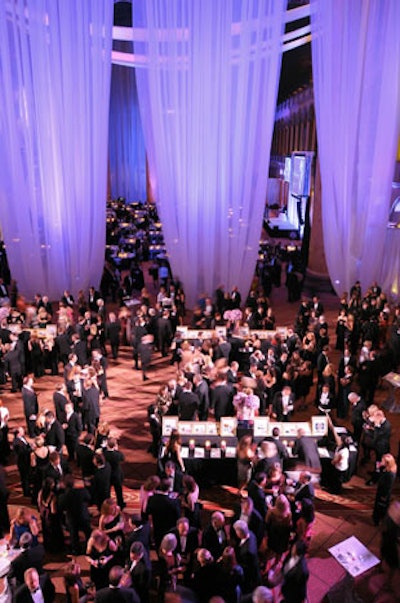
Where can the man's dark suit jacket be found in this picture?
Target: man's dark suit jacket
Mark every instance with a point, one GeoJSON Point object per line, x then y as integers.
{"type": "Point", "coordinates": [177, 485]}
{"type": "Point", "coordinates": [188, 406]}
{"type": "Point", "coordinates": [23, 595]}
{"type": "Point", "coordinates": [51, 471]}
{"type": "Point", "coordinates": [247, 557]}
{"type": "Point", "coordinates": [307, 451]}
{"type": "Point", "coordinates": [55, 436]}
{"type": "Point", "coordinates": [164, 512]}
{"type": "Point", "coordinates": [255, 523]}
{"type": "Point", "coordinates": [59, 404]}
{"type": "Point", "coordinates": [257, 495]}
{"type": "Point", "coordinates": [210, 541]}
{"type": "Point", "coordinates": [85, 456]}
{"type": "Point", "coordinates": [192, 541]}
{"type": "Point", "coordinates": [30, 400]}
{"type": "Point", "coordinates": [221, 400]}
{"type": "Point", "coordinates": [23, 451]}
{"type": "Point", "coordinates": [116, 595]}
{"type": "Point", "coordinates": [101, 484]}
{"type": "Point", "coordinates": [30, 557]}
{"type": "Point", "coordinates": [74, 427]}
{"type": "Point", "coordinates": [277, 406]}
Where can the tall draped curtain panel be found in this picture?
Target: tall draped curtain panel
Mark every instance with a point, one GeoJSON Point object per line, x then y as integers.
{"type": "Point", "coordinates": [55, 66]}
{"type": "Point", "coordinates": [356, 71]}
{"type": "Point", "coordinates": [127, 155]}
{"type": "Point", "coordinates": [207, 75]}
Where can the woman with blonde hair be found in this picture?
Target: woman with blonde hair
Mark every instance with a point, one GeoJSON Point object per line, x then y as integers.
{"type": "Point", "coordinates": [387, 476]}
{"type": "Point", "coordinates": [100, 553]}
{"type": "Point", "coordinates": [278, 522]}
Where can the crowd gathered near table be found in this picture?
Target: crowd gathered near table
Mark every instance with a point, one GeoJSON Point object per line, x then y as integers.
{"type": "Point", "coordinates": [233, 361]}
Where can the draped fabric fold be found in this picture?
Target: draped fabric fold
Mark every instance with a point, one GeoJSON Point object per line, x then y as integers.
{"type": "Point", "coordinates": [127, 155]}
{"type": "Point", "coordinates": [356, 72]}
{"type": "Point", "coordinates": [55, 65]}
{"type": "Point", "coordinates": [207, 83]}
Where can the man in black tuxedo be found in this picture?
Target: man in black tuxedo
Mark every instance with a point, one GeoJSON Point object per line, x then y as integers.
{"type": "Point", "coordinates": [101, 483]}
{"type": "Point", "coordinates": [73, 502]}
{"type": "Point", "coordinates": [35, 588]}
{"type": "Point", "coordinates": [115, 457]}
{"type": "Point", "coordinates": [306, 449]}
{"type": "Point", "coordinates": [187, 539]}
{"type": "Point", "coordinates": [115, 593]}
{"type": "Point", "coordinates": [164, 510]}
{"type": "Point", "coordinates": [214, 537]}
{"type": "Point", "coordinates": [72, 430]}
{"type": "Point", "coordinates": [164, 331]}
{"type": "Point", "coordinates": [303, 488]}
{"type": "Point", "coordinates": [232, 373]}
{"type": "Point", "coordinates": [247, 556]}
{"type": "Point", "coordinates": [79, 347]}
{"type": "Point", "coordinates": [60, 400]}
{"type": "Point", "coordinates": [358, 408]}
{"type": "Point", "coordinates": [113, 330]}
{"type": "Point", "coordinates": [283, 404]}
{"type": "Point", "coordinates": [23, 451]}
{"type": "Point", "coordinates": [140, 570]}
{"type": "Point", "coordinates": [31, 556]}
{"type": "Point", "coordinates": [55, 437]}
{"type": "Point", "coordinates": [175, 475]}
{"type": "Point", "coordinates": [256, 491]}
{"type": "Point", "coordinates": [222, 397]}
{"type": "Point", "coordinates": [63, 345]}
{"type": "Point", "coordinates": [85, 454]}
{"type": "Point", "coordinates": [68, 380]}
{"type": "Point", "coordinates": [141, 532]}
{"type": "Point", "coordinates": [201, 389]}
{"type": "Point", "coordinates": [57, 468]}
{"type": "Point", "coordinates": [31, 406]}
{"type": "Point", "coordinates": [188, 403]}
{"type": "Point", "coordinates": [93, 296]}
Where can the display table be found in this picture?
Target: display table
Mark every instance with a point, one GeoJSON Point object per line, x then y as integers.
{"type": "Point", "coordinates": [353, 556]}
{"type": "Point", "coordinates": [6, 557]}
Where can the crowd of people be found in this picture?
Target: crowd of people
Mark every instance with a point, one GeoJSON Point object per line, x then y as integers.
{"type": "Point", "coordinates": [68, 460]}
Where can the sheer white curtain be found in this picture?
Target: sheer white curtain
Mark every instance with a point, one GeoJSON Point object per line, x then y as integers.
{"type": "Point", "coordinates": [207, 78]}
{"type": "Point", "coordinates": [55, 64]}
{"type": "Point", "coordinates": [356, 72]}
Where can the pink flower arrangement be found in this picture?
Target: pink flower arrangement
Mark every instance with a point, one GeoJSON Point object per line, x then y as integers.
{"type": "Point", "coordinates": [233, 315]}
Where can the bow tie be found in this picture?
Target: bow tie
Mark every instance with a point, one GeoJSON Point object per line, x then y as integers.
{"type": "Point", "coordinates": [35, 591]}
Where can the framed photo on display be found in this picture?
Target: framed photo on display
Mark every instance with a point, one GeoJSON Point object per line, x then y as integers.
{"type": "Point", "coordinates": [227, 427]}
{"type": "Point", "coordinates": [319, 426]}
{"type": "Point", "coordinates": [261, 426]}
{"type": "Point", "coordinates": [168, 424]}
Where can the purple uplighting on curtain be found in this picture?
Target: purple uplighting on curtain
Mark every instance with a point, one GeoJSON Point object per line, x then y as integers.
{"type": "Point", "coordinates": [55, 65]}
{"type": "Point", "coordinates": [207, 75]}
{"type": "Point", "coordinates": [126, 143]}
{"type": "Point", "coordinates": [356, 72]}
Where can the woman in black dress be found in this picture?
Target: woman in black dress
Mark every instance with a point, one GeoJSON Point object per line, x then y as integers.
{"type": "Point", "coordinates": [100, 554]}
{"type": "Point", "coordinates": [112, 523]}
{"type": "Point", "coordinates": [387, 476]}
{"type": "Point", "coordinates": [53, 536]}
